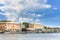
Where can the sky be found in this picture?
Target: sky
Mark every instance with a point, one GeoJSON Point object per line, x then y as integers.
{"type": "Point", "coordinates": [46, 12]}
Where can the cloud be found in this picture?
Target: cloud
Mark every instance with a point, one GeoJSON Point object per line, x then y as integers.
{"type": "Point", "coordinates": [23, 10]}
{"type": "Point", "coordinates": [37, 21]}
{"type": "Point", "coordinates": [55, 8]}
{"type": "Point", "coordinates": [53, 26]}
{"type": "Point", "coordinates": [25, 20]}
{"type": "Point", "coordinates": [39, 15]}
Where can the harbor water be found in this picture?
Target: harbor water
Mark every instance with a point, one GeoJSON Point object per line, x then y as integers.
{"type": "Point", "coordinates": [32, 36]}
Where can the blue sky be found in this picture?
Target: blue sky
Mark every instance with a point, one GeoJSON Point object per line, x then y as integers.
{"type": "Point", "coordinates": [46, 12]}
{"type": "Point", "coordinates": [54, 17]}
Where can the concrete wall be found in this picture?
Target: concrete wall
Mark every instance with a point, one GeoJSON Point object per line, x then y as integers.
{"type": "Point", "coordinates": [2, 26]}
{"type": "Point", "coordinates": [38, 26]}
{"type": "Point", "coordinates": [10, 26]}
{"type": "Point", "coordinates": [35, 26]}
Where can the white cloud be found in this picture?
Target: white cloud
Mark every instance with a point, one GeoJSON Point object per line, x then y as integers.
{"type": "Point", "coordinates": [53, 26]}
{"type": "Point", "coordinates": [55, 8]}
{"type": "Point", "coordinates": [22, 10]}
{"type": "Point", "coordinates": [47, 6]}
{"type": "Point", "coordinates": [39, 15]}
{"type": "Point", "coordinates": [37, 21]}
{"type": "Point", "coordinates": [25, 20]}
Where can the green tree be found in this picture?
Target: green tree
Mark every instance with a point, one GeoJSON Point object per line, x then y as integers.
{"type": "Point", "coordinates": [45, 27]}
{"type": "Point", "coordinates": [26, 24]}
{"type": "Point", "coordinates": [5, 21]}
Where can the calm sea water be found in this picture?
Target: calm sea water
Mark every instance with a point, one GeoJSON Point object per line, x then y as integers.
{"type": "Point", "coordinates": [41, 36]}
